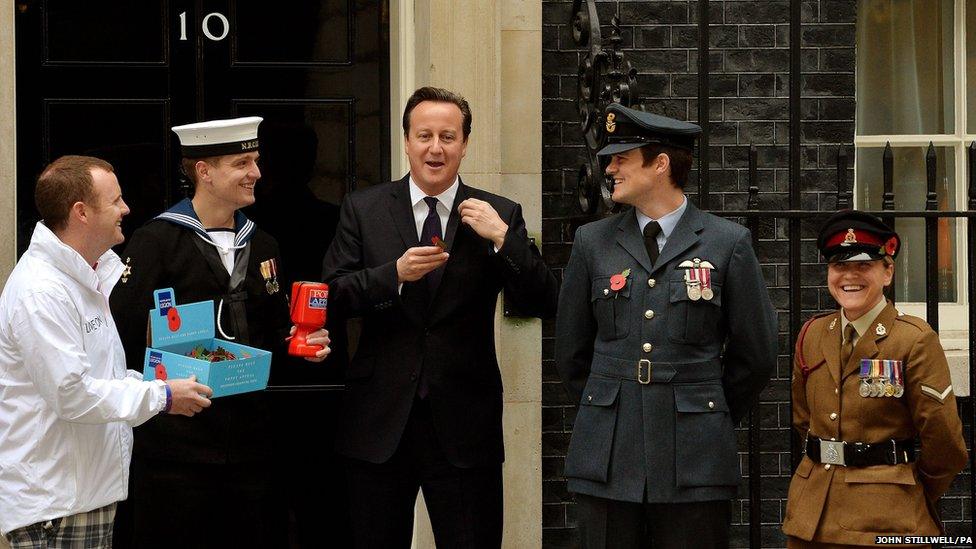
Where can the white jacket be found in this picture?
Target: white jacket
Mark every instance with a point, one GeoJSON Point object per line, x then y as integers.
{"type": "Point", "coordinates": [67, 403]}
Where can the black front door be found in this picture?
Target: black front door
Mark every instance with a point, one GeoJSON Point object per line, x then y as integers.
{"type": "Point", "coordinates": [108, 78]}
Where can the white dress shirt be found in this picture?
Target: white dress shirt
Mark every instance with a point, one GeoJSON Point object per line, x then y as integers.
{"type": "Point", "coordinates": [445, 202]}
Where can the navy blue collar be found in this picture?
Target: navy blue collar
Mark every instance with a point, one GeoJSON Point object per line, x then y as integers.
{"type": "Point", "coordinates": [182, 214]}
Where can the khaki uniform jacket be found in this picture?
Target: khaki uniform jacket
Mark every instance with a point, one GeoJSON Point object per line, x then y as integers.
{"type": "Point", "coordinates": [851, 505]}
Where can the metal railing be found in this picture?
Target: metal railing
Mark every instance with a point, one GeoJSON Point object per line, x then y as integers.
{"type": "Point", "coordinates": [606, 76]}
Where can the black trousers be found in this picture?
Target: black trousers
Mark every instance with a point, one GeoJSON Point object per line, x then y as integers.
{"type": "Point", "coordinates": [200, 505]}
{"type": "Point", "coordinates": [464, 504]}
{"type": "Point", "coordinates": [611, 524]}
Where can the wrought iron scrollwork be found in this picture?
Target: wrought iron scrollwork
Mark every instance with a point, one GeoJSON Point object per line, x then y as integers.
{"type": "Point", "coordinates": [604, 77]}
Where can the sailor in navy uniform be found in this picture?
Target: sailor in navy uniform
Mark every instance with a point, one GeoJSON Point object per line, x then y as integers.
{"type": "Point", "coordinates": [209, 478]}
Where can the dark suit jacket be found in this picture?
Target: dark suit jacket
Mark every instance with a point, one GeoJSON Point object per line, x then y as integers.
{"type": "Point", "coordinates": [451, 341]}
{"type": "Point", "coordinates": [670, 440]}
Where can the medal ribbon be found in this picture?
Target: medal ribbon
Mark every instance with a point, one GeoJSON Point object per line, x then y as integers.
{"type": "Point", "coordinates": [705, 275]}
{"type": "Point", "coordinates": [865, 368]}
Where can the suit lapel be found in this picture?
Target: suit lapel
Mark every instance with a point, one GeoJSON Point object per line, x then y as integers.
{"type": "Point", "coordinates": [454, 220]}
{"type": "Point", "coordinates": [401, 210]}
{"type": "Point", "coordinates": [684, 236]}
{"type": "Point", "coordinates": [867, 345]}
{"type": "Point", "coordinates": [830, 346]}
{"type": "Point", "coordinates": [630, 238]}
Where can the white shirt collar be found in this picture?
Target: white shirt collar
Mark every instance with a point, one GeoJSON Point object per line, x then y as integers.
{"type": "Point", "coordinates": [667, 222]}
{"type": "Point", "coordinates": [446, 198]}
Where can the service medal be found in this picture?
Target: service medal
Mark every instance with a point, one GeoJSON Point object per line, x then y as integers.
{"type": "Point", "coordinates": [897, 374]}
{"type": "Point", "coordinates": [269, 272]}
{"type": "Point", "coordinates": [693, 284]}
{"type": "Point", "coordinates": [889, 390]}
{"type": "Point", "coordinates": [705, 275]}
{"type": "Point", "coordinates": [865, 389]}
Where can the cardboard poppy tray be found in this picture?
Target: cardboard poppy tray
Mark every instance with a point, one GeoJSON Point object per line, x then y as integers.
{"type": "Point", "coordinates": [178, 329]}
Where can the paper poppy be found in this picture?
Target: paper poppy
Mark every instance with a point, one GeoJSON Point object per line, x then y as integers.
{"type": "Point", "coordinates": [891, 246]}
{"type": "Point", "coordinates": [161, 372]}
{"type": "Point", "coordinates": [438, 242]}
{"type": "Point", "coordinates": [173, 316]}
{"type": "Point", "coordinates": [618, 281]}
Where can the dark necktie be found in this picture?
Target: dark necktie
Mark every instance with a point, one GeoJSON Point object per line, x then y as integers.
{"type": "Point", "coordinates": [651, 231]}
{"type": "Point", "coordinates": [432, 228]}
{"type": "Point", "coordinates": [847, 346]}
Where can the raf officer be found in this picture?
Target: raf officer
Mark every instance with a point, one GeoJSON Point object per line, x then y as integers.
{"type": "Point", "coordinates": [868, 381]}
{"type": "Point", "coordinates": [665, 335]}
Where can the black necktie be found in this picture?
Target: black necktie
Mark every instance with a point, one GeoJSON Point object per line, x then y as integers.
{"type": "Point", "coordinates": [432, 228]}
{"type": "Point", "coordinates": [651, 231]}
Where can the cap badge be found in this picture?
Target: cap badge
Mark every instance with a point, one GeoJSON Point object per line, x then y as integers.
{"type": "Point", "coordinates": [611, 124]}
{"type": "Point", "coordinates": [850, 238]}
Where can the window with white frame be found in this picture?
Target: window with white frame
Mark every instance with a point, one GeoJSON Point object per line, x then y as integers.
{"type": "Point", "coordinates": [911, 90]}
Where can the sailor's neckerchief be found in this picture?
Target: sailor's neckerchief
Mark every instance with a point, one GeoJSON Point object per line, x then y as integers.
{"type": "Point", "coordinates": [183, 214]}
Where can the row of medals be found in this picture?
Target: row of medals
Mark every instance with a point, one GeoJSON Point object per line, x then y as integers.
{"type": "Point", "coordinates": [880, 387]}
{"type": "Point", "coordinates": [696, 292]}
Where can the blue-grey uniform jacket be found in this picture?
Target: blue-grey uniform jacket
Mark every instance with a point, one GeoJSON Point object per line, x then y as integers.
{"type": "Point", "coordinates": [661, 378]}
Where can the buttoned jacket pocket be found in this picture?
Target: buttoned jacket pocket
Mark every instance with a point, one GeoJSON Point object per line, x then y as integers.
{"type": "Point", "coordinates": [591, 445]}
{"type": "Point", "coordinates": [693, 321]}
{"type": "Point", "coordinates": [881, 498]}
{"type": "Point", "coordinates": [611, 309]}
{"type": "Point", "coordinates": [704, 438]}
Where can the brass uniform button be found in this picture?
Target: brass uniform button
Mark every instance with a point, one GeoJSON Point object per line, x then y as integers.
{"type": "Point", "coordinates": [647, 347]}
{"type": "Point", "coordinates": [651, 282]}
{"type": "Point", "coordinates": [711, 405]}
{"type": "Point", "coordinates": [648, 314]}
{"type": "Point", "coordinates": [833, 416]}
{"type": "Point", "coordinates": [827, 466]}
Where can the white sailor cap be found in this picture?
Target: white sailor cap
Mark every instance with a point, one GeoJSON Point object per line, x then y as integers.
{"type": "Point", "coordinates": [219, 137]}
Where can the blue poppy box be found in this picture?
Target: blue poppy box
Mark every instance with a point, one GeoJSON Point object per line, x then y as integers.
{"type": "Point", "coordinates": [181, 330]}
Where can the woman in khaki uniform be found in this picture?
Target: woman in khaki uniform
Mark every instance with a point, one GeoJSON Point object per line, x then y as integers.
{"type": "Point", "coordinates": [867, 382]}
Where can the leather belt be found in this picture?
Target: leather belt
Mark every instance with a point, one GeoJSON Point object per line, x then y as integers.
{"type": "Point", "coordinates": [860, 454]}
{"type": "Point", "coordinates": [646, 372]}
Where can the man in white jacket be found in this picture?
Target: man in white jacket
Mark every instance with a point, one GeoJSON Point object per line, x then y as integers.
{"type": "Point", "coordinates": [67, 402]}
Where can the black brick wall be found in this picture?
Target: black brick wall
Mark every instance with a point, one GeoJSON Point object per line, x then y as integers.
{"type": "Point", "coordinates": [749, 104]}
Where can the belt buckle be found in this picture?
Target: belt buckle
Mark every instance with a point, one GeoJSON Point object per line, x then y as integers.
{"type": "Point", "coordinates": [832, 452]}
{"type": "Point", "coordinates": [640, 369]}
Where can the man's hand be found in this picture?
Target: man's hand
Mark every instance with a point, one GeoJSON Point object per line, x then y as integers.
{"type": "Point", "coordinates": [480, 216]}
{"type": "Point", "coordinates": [318, 337]}
{"type": "Point", "coordinates": [416, 262]}
{"type": "Point", "coordinates": [189, 397]}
